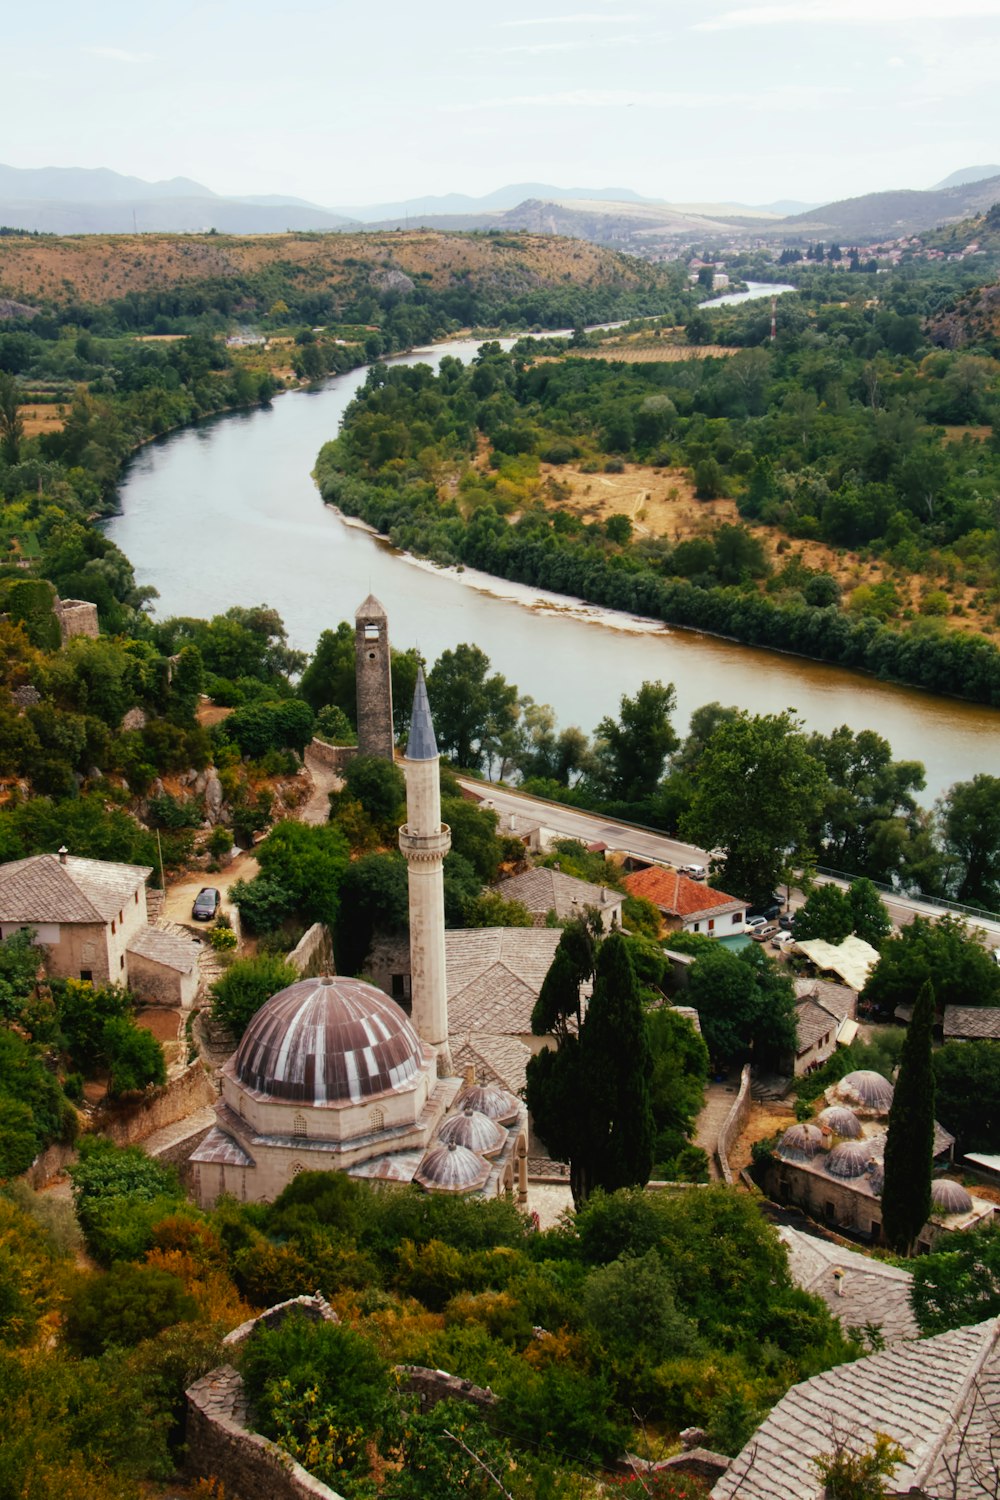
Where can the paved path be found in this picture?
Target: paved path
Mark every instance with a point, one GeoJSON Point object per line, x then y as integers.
{"type": "Point", "coordinates": [316, 808]}
{"type": "Point", "coordinates": [719, 1100]}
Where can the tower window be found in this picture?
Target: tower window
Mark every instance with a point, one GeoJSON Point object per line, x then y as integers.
{"type": "Point", "coordinates": [299, 1126]}
{"type": "Point", "coordinates": [371, 632]}
{"type": "Point", "coordinates": [378, 1119]}
{"type": "Point", "coordinates": [296, 1168]}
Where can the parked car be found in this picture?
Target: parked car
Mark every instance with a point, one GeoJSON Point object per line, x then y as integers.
{"type": "Point", "coordinates": [761, 934]}
{"type": "Point", "coordinates": [754, 924]}
{"type": "Point", "coordinates": [787, 922]}
{"type": "Point", "coordinates": [206, 904]}
{"type": "Point", "coordinates": [694, 872]}
{"type": "Point", "coordinates": [769, 912]}
{"type": "Point", "coordinates": [782, 939]}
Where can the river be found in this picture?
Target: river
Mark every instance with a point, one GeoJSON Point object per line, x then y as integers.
{"type": "Point", "coordinates": [227, 513]}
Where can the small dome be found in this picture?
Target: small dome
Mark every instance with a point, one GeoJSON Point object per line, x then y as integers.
{"type": "Point", "coordinates": [328, 1041]}
{"type": "Point", "coordinates": [949, 1197]}
{"type": "Point", "coordinates": [841, 1121]}
{"type": "Point", "coordinates": [476, 1131]}
{"type": "Point", "coordinates": [800, 1143]}
{"type": "Point", "coordinates": [869, 1090]}
{"type": "Point", "coordinates": [849, 1159]}
{"type": "Point", "coordinates": [490, 1100]}
{"type": "Point", "coordinates": [452, 1169]}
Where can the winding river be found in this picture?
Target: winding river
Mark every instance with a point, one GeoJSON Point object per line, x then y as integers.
{"type": "Point", "coordinates": [227, 513]}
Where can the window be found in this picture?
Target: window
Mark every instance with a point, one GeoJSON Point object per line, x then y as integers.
{"type": "Point", "coordinates": [296, 1168]}
{"type": "Point", "coordinates": [87, 974]}
{"type": "Point", "coordinates": [711, 924]}
{"type": "Point", "coordinates": [121, 962]}
{"type": "Point", "coordinates": [737, 918]}
{"type": "Point", "coordinates": [696, 927]}
{"type": "Point", "coordinates": [136, 898]}
{"type": "Point", "coordinates": [299, 1126]}
{"type": "Point", "coordinates": [113, 928]}
{"type": "Point", "coordinates": [377, 1119]}
{"type": "Point", "coordinates": [371, 632]}
{"type": "Point", "coordinates": [401, 986]}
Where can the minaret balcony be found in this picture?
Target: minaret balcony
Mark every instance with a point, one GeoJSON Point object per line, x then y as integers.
{"type": "Point", "coordinates": [429, 846]}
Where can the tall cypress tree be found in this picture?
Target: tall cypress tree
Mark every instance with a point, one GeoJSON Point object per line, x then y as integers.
{"type": "Point", "coordinates": [909, 1146]}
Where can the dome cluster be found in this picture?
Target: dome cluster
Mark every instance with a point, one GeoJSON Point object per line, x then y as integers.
{"type": "Point", "coordinates": [459, 1160]}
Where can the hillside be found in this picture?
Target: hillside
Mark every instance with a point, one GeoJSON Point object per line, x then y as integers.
{"type": "Point", "coordinates": [891, 214]}
{"type": "Point", "coordinates": [101, 268]}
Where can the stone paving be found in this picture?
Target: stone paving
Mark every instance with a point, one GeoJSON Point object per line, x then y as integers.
{"type": "Point", "coordinates": [719, 1100]}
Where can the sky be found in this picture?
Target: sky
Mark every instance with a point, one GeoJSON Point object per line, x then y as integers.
{"type": "Point", "coordinates": [349, 102]}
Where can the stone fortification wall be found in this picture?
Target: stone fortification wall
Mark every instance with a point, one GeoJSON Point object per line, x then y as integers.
{"type": "Point", "coordinates": [432, 1386]}
{"type": "Point", "coordinates": [336, 757]}
{"type": "Point", "coordinates": [48, 1165]}
{"type": "Point", "coordinates": [76, 617]}
{"type": "Point", "coordinates": [314, 1309]}
{"type": "Point", "coordinates": [313, 955]}
{"type": "Point", "coordinates": [220, 1446]}
{"type": "Point", "coordinates": [126, 1124]}
{"type": "Point", "coordinates": [733, 1124]}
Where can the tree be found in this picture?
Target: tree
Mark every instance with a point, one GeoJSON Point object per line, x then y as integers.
{"type": "Point", "coordinates": [630, 1303]}
{"type": "Point", "coordinates": [909, 1143]}
{"type": "Point", "coordinates": [969, 817]}
{"type": "Point", "coordinates": [757, 792]}
{"type": "Point", "coordinates": [826, 914]}
{"type": "Point", "coordinates": [329, 679]}
{"type": "Point", "coordinates": [134, 1057]}
{"type": "Point", "coordinates": [677, 1085]}
{"type": "Point", "coordinates": [869, 813]}
{"type": "Point", "coordinates": [310, 862]}
{"type": "Point", "coordinates": [123, 1306]}
{"type": "Point", "coordinates": [631, 750]}
{"type": "Point", "coordinates": [871, 922]}
{"type": "Point", "coordinates": [471, 709]}
{"type": "Point", "coordinates": [374, 899]}
{"type": "Point", "coordinates": [379, 786]}
{"type": "Point", "coordinates": [11, 420]}
{"type": "Point", "coordinates": [967, 1088]}
{"type": "Point", "coordinates": [239, 993]}
{"type": "Point", "coordinates": [590, 1098]}
{"type": "Point", "coordinates": [961, 1285]}
{"type": "Point", "coordinates": [744, 1003]}
{"type": "Point", "coordinates": [952, 956]}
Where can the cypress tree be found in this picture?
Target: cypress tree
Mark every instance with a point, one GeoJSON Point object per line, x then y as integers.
{"type": "Point", "coordinates": [909, 1146]}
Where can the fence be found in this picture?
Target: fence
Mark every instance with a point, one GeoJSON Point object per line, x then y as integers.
{"type": "Point", "coordinates": [890, 890]}
{"type": "Point", "coordinates": [733, 1124]}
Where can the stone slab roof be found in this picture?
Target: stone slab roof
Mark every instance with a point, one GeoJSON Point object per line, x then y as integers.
{"type": "Point", "coordinates": [929, 1395]}
{"type": "Point", "coordinates": [170, 949]}
{"type": "Point", "coordinates": [813, 1021]}
{"type": "Point", "coordinates": [44, 889]}
{"type": "Point", "coordinates": [496, 1059]}
{"type": "Point", "coordinates": [972, 1022]}
{"type": "Point", "coordinates": [526, 952]}
{"type": "Point", "coordinates": [221, 1149]}
{"type": "Point", "coordinates": [678, 895]}
{"type": "Point", "coordinates": [544, 890]}
{"type": "Point", "coordinates": [869, 1291]}
{"type": "Point", "coordinates": [839, 999]}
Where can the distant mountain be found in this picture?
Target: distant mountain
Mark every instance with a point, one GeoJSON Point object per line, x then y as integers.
{"type": "Point", "coordinates": [90, 185]}
{"type": "Point", "coordinates": [629, 226]}
{"type": "Point", "coordinates": [967, 175]}
{"type": "Point", "coordinates": [786, 206]}
{"type": "Point", "coordinates": [504, 198]}
{"type": "Point", "coordinates": [166, 216]}
{"type": "Point", "coordinates": [878, 216]}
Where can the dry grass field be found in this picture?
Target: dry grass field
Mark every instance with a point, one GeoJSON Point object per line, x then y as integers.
{"type": "Point", "coordinates": [42, 417]}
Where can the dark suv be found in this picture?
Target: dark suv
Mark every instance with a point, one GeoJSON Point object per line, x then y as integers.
{"type": "Point", "coordinates": [206, 904]}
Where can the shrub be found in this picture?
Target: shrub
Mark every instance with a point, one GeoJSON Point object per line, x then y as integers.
{"type": "Point", "coordinates": [245, 986]}
{"type": "Point", "coordinates": [123, 1306]}
{"type": "Point", "coordinates": [134, 1057]}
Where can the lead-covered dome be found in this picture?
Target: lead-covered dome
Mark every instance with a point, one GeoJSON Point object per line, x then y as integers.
{"type": "Point", "coordinates": [841, 1121]}
{"type": "Point", "coordinates": [328, 1041]}
{"type": "Point", "coordinates": [866, 1090]}
{"type": "Point", "coordinates": [452, 1169]}
{"type": "Point", "coordinates": [491, 1100]}
{"type": "Point", "coordinates": [475, 1131]}
{"type": "Point", "coordinates": [800, 1143]}
{"type": "Point", "coordinates": [948, 1197]}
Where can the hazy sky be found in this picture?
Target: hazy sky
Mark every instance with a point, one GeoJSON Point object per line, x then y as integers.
{"type": "Point", "coordinates": [354, 101]}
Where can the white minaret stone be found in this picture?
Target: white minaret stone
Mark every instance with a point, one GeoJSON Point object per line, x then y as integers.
{"type": "Point", "coordinates": [424, 841]}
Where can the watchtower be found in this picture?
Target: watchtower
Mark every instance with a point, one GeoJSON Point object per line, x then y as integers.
{"type": "Point", "coordinates": [372, 665]}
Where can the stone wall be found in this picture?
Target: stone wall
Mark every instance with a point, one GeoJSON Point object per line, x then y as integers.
{"type": "Point", "coordinates": [220, 1446]}
{"type": "Point", "coordinates": [49, 1164]}
{"type": "Point", "coordinates": [314, 1309]}
{"type": "Point", "coordinates": [389, 955]}
{"type": "Point", "coordinates": [733, 1124]}
{"type": "Point", "coordinates": [157, 984]}
{"type": "Point", "coordinates": [313, 955]}
{"type": "Point", "coordinates": [432, 1386]}
{"type": "Point", "coordinates": [336, 757]}
{"type": "Point", "coordinates": [126, 1124]}
{"type": "Point", "coordinates": [76, 617]}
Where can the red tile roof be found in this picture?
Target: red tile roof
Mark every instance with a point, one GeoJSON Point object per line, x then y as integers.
{"type": "Point", "coordinates": [677, 894]}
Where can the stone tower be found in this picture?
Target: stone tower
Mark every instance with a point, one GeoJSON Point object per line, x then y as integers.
{"type": "Point", "coordinates": [424, 841]}
{"type": "Point", "coordinates": [372, 668]}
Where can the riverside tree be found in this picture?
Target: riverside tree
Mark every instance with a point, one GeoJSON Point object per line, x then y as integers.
{"type": "Point", "coordinates": [909, 1144]}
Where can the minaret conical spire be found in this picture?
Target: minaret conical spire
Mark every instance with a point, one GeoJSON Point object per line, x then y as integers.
{"type": "Point", "coordinates": [422, 744]}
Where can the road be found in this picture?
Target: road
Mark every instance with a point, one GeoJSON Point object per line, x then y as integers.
{"type": "Point", "coordinates": [592, 828]}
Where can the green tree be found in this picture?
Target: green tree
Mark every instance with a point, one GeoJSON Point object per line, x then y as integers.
{"type": "Point", "coordinates": [243, 988]}
{"type": "Point", "coordinates": [19, 965]}
{"type": "Point", "coordinates": [329, 679]}
{"type": "Point", "coordinates": [757, 793]}
{"type": "Point", "coordinates": [374, 899]}
{"type": "Point", "coordinates": [632, 749]}
{"type": "Point", "coordinates": [869, 814]}
{"type": "Point", "coordinates": [19, 1138]}
{"type": "Point", "coordinates": [677, 1084]}
{"type": "Point", "coordinates": [967, 1091]}
{"type": "Point", "coordinates": [630, 1303]}
{"type": "Point", "coordinates": [11, 420]}
{"type": "Point", "coordinates": [948, 953]}
{"type": "Point", "coordinates": [909, 1143]}
{"type": "Point", "coordinates": [826, 914]}
{"type": "Point", "coordinates": [870, 920]}
{"type": "Point", "coordinates": [471, 708]}
{"type": "Point", "coordinates": [960, 1285]}
{"type": "Point", "coordinates": [134, 1057]}
{"type": "Point", "coordinates": [380, 788]}
{"type": "Point", "coordinates": [744, 1003]}
{"type": "Point", "coordinates": [969, 817]}
{"type": "Point", "coordinates": [310, 862]}
{"type": "Point", "coordinates": [122, 1307]}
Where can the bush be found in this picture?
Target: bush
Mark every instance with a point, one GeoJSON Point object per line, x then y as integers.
{"type": "Point", "coordinates": [123, 1306]}
{"type": "Point", "coordinates": [244, 988]}
{"type": "Point", "coordinates": [222, 939]}
{"type": "Point", "coordinates": [134, 1057]}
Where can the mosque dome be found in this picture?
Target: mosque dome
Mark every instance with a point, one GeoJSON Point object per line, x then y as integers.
{"type": "Point", "coordinates": [473, 1130]}
{"type": "Point", "coordinates": [491, 1100]}
{"type": "Point", "coordinates": [849, 1159]}
{"type": "Point", "coordinates": [328, 1041]}
{"type": "Point", "coordinates": [800, 1143]}
{"type": "Point", "coordinates": [867, 1089]}
{"type": "Point", "coordinates": [949, 1197]}
{"type": "Point", "coordinates": [452, 1169]}
{"type": "Point", "coordinates": [841, 1121]}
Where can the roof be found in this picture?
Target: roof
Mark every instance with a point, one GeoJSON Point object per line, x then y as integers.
{"type": "Point", "coordinates": [222, 1149]}
{"type": "Point", "coordinates": [496, 1059]}
{"type": "Point", "coordinates": [171, 949]}
{"type": "Point", "coordinates": [972, 1022]}
{"type": "Point", "coordinates": [44, 889]}
{"type": "Point", "coordinates": [853, 959]}
{"type": "Point", "coordinates": [813, 1022]}
{"type": "Point", "coordinates": [931, 1396]}
{"type": "Point", "coordinates": [678, 895]}
{"type": "Point", "coordinates": [495, 974]}
{"type": "Point", "coordinates": [839, 999]}
{"type": "Point", "coordinates": [371, 609]}
{"type": "Point", "coordinates": [868, 1291]}
{"type": "Point", "coordinates": [329, 1041]}
{"type": "Point", "coordinates": [422, 744]}
{"type": "Point", "coordinates": [544, 890]}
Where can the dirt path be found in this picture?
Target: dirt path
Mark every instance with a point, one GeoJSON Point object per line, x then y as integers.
{"type": "Point", "coordinates": [316, 808]}
{"type": "Point", "coordinates": [179, 897]}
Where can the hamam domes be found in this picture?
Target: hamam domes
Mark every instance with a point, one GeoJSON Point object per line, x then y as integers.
{"type": "Point", "coordinates": [332, 1075]}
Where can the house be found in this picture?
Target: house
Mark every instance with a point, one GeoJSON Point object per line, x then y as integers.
{"type": "Point", "coordinates": [688, 905]}
{"type": "Point", "coordinates": [936, 1398]}
{"type": "Point", "coordinates": [543, 891]}
{"type": "Point", "coordinates": [858, 1290]}
{"type": "Point", "coordinates": [90, 916]}
{"type": "Point", "coordinates": [972, 1023]}
{"type": "Point", "coordinates": [825, 1020]}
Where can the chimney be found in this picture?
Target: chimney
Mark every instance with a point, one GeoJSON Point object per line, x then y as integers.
{"type": "Point", "coordinates": [63, 851]}
{"type": "Point", "coordinates": [838, 1277]}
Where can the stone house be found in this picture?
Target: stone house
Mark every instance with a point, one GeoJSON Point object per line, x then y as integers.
{"type": "Point", "coordinates": [543, 891]}
{"type": "Point", "coordinates": [688, 905]}
{"type": "Point", "coordinates": [90, 916]}
{"type": "Point", "coordinates": [824, 1018]}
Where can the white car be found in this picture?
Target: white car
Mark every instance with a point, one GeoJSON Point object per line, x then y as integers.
{"type": "Point", "coordinates": [694, 872]}
{"type": "Point", "coordinates": [782, 940]}
{"type": "Point", "coordinates": [754, 924]}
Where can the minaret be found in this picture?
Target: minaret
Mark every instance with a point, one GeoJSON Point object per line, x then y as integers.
{"type": "Point", "coordinates": [373, 675]}
{"type": "Point", "coordinates": [424, 841]}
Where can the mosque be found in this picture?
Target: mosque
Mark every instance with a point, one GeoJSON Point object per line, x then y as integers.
{"type": "Point", "coordinates": [331, 1074]}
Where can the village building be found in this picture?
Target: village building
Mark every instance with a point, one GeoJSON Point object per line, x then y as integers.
{"type": "Point", "coordinates": [90, 917]}
{"type": "Point", "coordinates": [971, 1023]}
{"type": "Point", "coordinates": [860, 1291]}
{"type": "Point", "coordinates": [936, 1398]}
{"type": "Point", "coordinates": [688, 905]}
{"type": "Point", "coordinates": [548, 893]}
{"type": "Point", "coordinates": [824, 1019]}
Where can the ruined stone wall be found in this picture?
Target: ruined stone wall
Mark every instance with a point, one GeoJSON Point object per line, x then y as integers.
{"type": "Point", "coordinates": [336, 757]}
{"type": "Point", "coordinates": [76, 617]}
{"type": "Point", "coordinates": [733, 1125]}
{"type": "Point", "coordinates": [49, 1164]}
{"type": "Point", "coordinates": [432, 1386]}
{"type": "Point", "coordinates": [125, 1124]}
{"type": "Point", "coordinates": [313, 955]}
